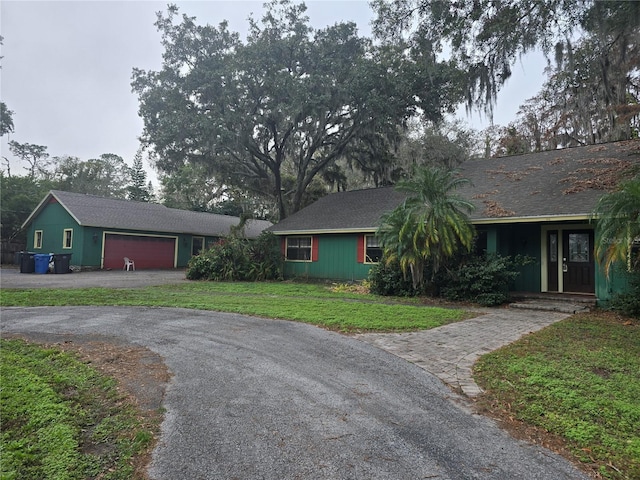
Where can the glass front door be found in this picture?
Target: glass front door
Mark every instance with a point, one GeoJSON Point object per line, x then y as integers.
{"type": "Point", "coordinates": [578, 272]}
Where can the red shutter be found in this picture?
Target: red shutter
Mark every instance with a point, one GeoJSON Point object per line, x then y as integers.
{"type": "Point", "coordinates": [360, 241]}
{"type": "Point", "coordinates": [283, 246]}
{"type": "Point", "coordinates": [314, 248]}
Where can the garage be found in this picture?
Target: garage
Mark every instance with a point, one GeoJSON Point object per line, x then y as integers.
{"type": "Point", "coordinates": [98, 232]}
{"type": "Point", "coordinates": [145, 250]}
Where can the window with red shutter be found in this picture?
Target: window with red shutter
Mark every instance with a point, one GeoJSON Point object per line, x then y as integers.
{"type": "Point", "coordinates": [299, 249]}
{"type": "Point", "coordinates": [373, 251]}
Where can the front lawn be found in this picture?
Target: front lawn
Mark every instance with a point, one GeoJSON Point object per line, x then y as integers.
{"type": "Point", "coordinates": [311, 303]}
{"type": "Point", "coordinates": [63, 420]}
{"type": "Point", "coordinates": [578, 380]}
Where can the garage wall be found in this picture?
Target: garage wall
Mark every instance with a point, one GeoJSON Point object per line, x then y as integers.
{"type": "Point", "coordinates": [52, 221]}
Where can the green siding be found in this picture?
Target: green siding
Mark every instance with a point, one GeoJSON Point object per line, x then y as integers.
{"type": "Point", "coordinates": [522, 239]}
{"type": "Point", "coordinates": [337, 260]}
{"type": "Point", "coordinates": [617, 282]}
{"type": "Point", "coordinates": [53, 221]}
{"type": "Point", "coordinates": [92, 247]}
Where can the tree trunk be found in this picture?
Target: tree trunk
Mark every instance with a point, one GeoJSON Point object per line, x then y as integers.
{"type": "Point", "coordinates": [417, 274]}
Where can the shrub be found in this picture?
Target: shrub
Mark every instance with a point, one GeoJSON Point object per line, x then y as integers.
{"type": "Point", "coordinates": [265, 258]}
{"type": "Point", "coordinates": [484, 280]}
{"type": "Point", "coordinates": [386, 278]}
{"type": "Point", "coordinates": [628, 302]}
{"type": "Point", "coordinates": [238, 259]}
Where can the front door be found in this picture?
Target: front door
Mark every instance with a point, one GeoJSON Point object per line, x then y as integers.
{"type": "Point", "coordinates": [578, 273]}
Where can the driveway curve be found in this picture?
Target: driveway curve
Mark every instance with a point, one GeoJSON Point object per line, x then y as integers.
{"type": "Point", "coordinates": [252, 398]}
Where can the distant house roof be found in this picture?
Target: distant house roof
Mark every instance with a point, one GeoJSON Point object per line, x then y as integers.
{"type": "Point", "coordinates": [93, 211]}
{"type": "Point", "coordinates": [555, 185]}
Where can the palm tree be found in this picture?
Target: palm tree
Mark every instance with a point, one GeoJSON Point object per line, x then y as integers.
{"type": "Point", "coordinates": [618, 217]}
{"type": "Point", "coordinates": [396, 239]}
{"type": "Point", "coordinates": [431, 225]}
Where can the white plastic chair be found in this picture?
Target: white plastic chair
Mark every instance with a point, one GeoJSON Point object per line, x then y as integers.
{"type": "Point", "coordinates": [129, 263]}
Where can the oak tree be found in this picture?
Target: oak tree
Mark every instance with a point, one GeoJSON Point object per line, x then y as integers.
{"type": "Point", "coordinates": [271, 114]}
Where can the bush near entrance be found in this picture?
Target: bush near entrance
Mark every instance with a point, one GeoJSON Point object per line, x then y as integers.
{"type": "Point", "coordinates": [483, 279]}
{"type": "Point", "coordinates": [238, 259]}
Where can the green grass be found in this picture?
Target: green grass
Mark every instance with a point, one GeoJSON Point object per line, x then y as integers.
{"type": "Point", "coordinates": [578, 379]}
{"type": "Point", "coordinates": [310, 303]}
{"type": "Point", "coordinates": [63, 420]}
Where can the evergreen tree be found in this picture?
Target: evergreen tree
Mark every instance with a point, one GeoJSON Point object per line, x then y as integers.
{"type": "Point", "coordinates": [139, 190]}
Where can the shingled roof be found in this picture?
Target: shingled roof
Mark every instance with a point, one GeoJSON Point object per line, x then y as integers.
{"type": "Point", "coordinates": [93, 211]}
{"type": "Point", "coordinates": [556, 185]}
{"type": "Point", "coordinates": [355, 210]}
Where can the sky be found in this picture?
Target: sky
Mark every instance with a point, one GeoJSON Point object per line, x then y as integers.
{"type": "Point", "coordinates": [67, 66]}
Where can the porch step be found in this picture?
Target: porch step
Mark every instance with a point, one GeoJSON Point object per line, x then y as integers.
{"type": "Point", "coordinates": [555, 303]}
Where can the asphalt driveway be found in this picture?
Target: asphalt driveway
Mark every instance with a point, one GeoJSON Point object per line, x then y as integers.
{"type": "Point", "coordinates": [12, 278]}
{"type": "Point", "coordinates": [252, 398]}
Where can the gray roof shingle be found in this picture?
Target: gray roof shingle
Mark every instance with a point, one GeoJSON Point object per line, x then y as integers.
{"type": "Point", "coordinates": [90, 210]}
{"type": "Point", "coordinates": [565, 182]}
{"type": "Point", "coordinates": [357, 210]}
{"type": "Point", "coordinates": [557, 183]}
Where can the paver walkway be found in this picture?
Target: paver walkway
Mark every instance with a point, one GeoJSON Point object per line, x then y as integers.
{"type": "Point", "coordinates": [450, 351]}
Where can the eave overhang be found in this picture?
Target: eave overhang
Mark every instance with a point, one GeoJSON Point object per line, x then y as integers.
{"type": "Point", "coordinates": [533, 219]}
{"type": "Point", "coordinates": [478, 221]}
{"type": "Point", "coordinates": [320, 231]}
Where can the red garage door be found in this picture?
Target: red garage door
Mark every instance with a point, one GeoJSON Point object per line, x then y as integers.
{"type": "Point", "coordinates": [146, 252]}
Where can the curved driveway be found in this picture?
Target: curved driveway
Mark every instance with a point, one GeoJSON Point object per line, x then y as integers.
{"type": "Point", "coordinates": [263, 399]}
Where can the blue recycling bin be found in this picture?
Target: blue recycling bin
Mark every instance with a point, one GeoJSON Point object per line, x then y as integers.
{"type": "Point", "coordinates": [42, 262]}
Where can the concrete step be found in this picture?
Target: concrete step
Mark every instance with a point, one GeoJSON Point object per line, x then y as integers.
{"type": "Point", "coordinates": [554, 302]}
{"type": "Point", "coordinates": [552, 306]}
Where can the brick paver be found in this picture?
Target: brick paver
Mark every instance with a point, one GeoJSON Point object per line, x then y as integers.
{"type": "Point", "coordinates": [450, 351]}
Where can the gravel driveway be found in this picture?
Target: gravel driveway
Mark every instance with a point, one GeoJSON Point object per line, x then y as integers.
{"type": "Point", "coordinates": [252, 398]}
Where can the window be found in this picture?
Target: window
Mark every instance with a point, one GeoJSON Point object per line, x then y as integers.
{"type": "Point", "coordinates": [578, 247]}
{"type": "Point", "coordinates": [553, 247]}
{"type": "Point", "coordinates": [480, 243]}
{"type": "Point", "coordinates": [67, 238]}
{"type": "Point", "coordinates": [372, 250]}
{"type": "Point", "coordinates": [37, 239]}
{"type": "Point", "coordinates": [197, 245]}
{"type": "Point", "coordinates": [299, 248]}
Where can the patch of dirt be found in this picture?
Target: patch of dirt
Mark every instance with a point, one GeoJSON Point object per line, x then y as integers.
{"type": "Point", "coordinates": [141, 374]}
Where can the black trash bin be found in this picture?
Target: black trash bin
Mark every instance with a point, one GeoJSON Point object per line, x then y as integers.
{"type": "Point", "coordinates": [27, 262]}
{"type": "Point", "coordinates": [61, 262]}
